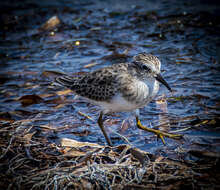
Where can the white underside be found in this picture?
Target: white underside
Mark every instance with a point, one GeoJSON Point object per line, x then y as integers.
{"type": "Point", "coordinates": [117, 104]}
{"type": "Point", "coordinates": [120, 104]}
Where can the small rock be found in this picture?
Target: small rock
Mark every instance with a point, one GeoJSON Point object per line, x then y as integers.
{"type": "Point", "coordinates": [53, 22]}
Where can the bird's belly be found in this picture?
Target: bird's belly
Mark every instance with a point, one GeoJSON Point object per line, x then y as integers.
{"type": "Point", "coordinates": [117, 104]}
{"type": "Point", "coordinates": [142, 95]}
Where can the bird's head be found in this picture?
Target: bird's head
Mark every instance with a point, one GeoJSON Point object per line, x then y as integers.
{"type": "Point", "coordinates": [149, 66]}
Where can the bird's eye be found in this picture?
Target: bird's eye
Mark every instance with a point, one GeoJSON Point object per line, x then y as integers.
{"type": "Point", "coordinates": [146, 68]}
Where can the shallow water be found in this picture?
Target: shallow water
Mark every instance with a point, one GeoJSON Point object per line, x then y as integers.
{"type": "Point", "coordinates": [185, 36]}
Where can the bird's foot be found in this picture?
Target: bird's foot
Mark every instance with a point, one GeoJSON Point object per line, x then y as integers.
{"type": "Point", "coordinates": [160, 134]}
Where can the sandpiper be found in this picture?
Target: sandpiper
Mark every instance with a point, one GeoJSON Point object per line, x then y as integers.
{"type": "Point", "coordinates": [122, 87]}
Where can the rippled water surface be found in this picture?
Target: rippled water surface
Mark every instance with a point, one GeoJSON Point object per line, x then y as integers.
{"type": "Point", "coordinates": [184, 35]}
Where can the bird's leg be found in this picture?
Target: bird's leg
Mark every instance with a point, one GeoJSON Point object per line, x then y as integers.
{"type": "Point", "coordinates": [100, 122]}
{"type": "Point", "coordinates": [159, 133]}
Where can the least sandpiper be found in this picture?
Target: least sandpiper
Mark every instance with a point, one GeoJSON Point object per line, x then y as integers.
{"type": "Point", "coordinates": [122, 87]}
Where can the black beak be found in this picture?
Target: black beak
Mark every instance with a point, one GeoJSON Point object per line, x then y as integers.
{"type": "Point", "coordinates": [160, 79]}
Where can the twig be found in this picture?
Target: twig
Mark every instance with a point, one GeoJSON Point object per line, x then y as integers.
{"type": "Point", "coordinates": [123, 137]}
{"type": "Point", "coordinates": [180, 130]}
{"type": "Point", "coordinates": [85, 115]}
{"type": "Point", "coordinates": [9, 144]}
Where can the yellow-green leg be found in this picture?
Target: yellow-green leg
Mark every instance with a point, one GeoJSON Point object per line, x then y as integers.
{"type": "Point", "coordinates": [100, 122]}
{"type": "Point", "coordinates": [159, 133]}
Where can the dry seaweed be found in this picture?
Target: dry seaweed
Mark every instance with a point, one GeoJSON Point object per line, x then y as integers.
{"type": "Point", "coordinates": [29, 161]}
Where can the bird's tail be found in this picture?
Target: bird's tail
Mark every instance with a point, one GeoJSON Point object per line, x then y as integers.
{"type": "Point", "coordinates": [66, 81]}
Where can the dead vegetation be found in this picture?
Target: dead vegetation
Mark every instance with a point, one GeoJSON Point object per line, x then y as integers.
{"type": "Point", "coordinates": [29, 161]}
